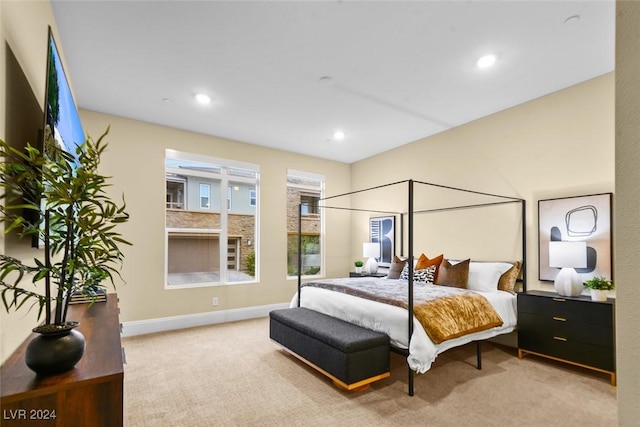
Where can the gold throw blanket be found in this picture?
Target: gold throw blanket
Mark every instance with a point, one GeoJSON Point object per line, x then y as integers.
{"type": "Point", "coordinates": [444, 312]}
{"type": "Point", "coordinates": [455, 316]}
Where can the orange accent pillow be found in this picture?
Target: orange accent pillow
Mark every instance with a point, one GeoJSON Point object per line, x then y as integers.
{"type": "Point", "coordinates": [424, 262]}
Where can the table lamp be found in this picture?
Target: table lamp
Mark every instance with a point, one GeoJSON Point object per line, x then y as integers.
{"type": "Point", "coordinates": [568, 256]}
{"type": "Point", "coordinates": [371, 251]}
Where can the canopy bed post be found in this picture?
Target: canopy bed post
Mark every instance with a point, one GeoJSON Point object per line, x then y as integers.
{"type": "Point", "coordinates": [401, 235]}
{"type": "Point", "coordinates": [410, 282]}
{"type": "Point", "coordinates": [299, 252]}
{"type": "Point", "coordinates": [523, 205]}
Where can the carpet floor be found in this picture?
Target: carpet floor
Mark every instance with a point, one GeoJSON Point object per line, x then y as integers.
{"type": "Point", "coordinates": [232, 375]}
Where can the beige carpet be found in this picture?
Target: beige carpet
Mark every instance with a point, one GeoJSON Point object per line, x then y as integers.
{"type": "Point", "coordinates": [233, 375]}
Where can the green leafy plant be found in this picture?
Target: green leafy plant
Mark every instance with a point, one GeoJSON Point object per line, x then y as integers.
{"type": "Point", "coordinates": [599, 283]}
{"type": "Point", "coordinates": [251, 264]}
{"type": "Point", "coordinates": [62, 201]}
{"type": "Point", "coordinates": [310, 246]}
{"type": "Point", "coordinates": [358, 263]}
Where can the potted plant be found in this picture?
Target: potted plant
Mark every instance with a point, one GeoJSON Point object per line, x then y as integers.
{"type": "Point", "coordinates": [358, 264]}
{"type": "Point", "coordinates": [599, 287]}
{"type": "Point", "coordinates": [59, 199]}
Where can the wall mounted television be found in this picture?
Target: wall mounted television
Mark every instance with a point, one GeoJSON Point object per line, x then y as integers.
{"type": "Point", "coordinates": [61, 116]}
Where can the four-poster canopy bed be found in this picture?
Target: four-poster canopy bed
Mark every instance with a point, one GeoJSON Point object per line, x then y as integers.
{"type": "Point", "coordinates": [389, 305]}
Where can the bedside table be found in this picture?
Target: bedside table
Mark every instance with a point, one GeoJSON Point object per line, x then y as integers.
{"type": "Point", "coordinates": [352, 274]}
{"type": "Point", "coordinates": [573, 330]}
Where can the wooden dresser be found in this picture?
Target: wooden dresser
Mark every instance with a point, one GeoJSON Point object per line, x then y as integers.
{"type": "Point", "coordinates": [574, 330]}
{"type": "Point", "coordinates": [89, 395]}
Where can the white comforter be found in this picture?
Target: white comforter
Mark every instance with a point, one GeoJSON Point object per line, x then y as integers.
{"type": "Point", "coordinates": [393, 321]}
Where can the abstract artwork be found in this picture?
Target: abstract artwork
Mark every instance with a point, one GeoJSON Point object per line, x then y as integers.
{"type": "Point", "coordinates": [382, 230]}
{"type": "Point", "coordinates": [580, 218]}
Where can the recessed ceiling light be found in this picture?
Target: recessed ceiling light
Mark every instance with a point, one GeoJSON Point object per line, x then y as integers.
{"type": "Point", "coordinates": [325, 80]}
{"type": "Point", "coordinates": [203, 99]}
{"type": "Point", "coordinates": [486, 61]}
{"type": "Point", "coordinates": [338, 135]}
{"type": "Point", "coordinates": [572, 19]}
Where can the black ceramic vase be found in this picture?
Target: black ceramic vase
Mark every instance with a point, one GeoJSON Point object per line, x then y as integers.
{"type": "Point", "coordinates": [55, 349]}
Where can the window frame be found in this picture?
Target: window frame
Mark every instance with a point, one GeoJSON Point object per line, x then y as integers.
{"type": "Point", "coordinates": [292, 173]}
{"type": "Point", "coordinates": [206, 186]}
{"type": "Point", "coordinates": [219, 170]}
{"type": "Point", "coordinates": [180, 180]}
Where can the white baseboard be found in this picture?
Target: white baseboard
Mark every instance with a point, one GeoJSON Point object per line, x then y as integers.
{"type": "Point", "coordinates": [141, 327]}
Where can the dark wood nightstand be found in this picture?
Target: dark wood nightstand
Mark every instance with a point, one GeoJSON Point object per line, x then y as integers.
{"type": "Point", "coordinates": [353, 274]}
{"type": "Point", "coordinates": [574, 330]}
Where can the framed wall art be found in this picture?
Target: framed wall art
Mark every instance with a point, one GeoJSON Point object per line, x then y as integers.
{"type": "Point", "coordinates": [571, 219]}
{"type": "Point", "coordinates": [383, 230]}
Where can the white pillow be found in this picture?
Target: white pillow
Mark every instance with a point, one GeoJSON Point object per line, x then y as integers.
{"type": "Point", "coordinates": [484, 276]}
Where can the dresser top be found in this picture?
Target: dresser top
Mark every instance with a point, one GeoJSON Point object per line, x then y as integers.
{"type": "Point", "coordinates": [585, 298]}
{"type": "Point", "coordinates": [102, 358]}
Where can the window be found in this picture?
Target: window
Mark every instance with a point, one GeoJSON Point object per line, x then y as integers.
{"type": "Point", "coordinates": [205, 195]}
{"type": "Point", "coordinates": [309, 203]}
{"type": "Point", "coordinates": [176, 192]}
{"type": "Point", "coordinates": [252, 197]}
{"type": "Point", "coordinates": [209, 241]}
{"type": "Point", "coordinates": [304, 191]}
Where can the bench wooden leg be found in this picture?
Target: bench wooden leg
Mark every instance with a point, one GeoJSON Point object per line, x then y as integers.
{"type": "Point", "coordinates": [341, 385]}
{"type": "Point", "coordinates": [358, 386]}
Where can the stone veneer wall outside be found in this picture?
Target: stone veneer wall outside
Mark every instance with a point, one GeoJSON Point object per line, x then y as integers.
{"type": "Point", "coordinates": [239, 226]}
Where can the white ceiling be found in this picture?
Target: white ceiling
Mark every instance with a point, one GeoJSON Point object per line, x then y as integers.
{"type": "Point", "coordinates": [400, 71]}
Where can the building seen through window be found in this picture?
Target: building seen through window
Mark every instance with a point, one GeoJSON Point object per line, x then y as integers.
{"type": "Point", "coordinates": [304, 191]}
{"type": "Point", "coordinates": [211, 220]}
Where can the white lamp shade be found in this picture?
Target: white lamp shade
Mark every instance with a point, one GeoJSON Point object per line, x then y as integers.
{"type": "Point", "coordinates": [568, 254]}
{"type": "Point", "coordinates": [371, 250]}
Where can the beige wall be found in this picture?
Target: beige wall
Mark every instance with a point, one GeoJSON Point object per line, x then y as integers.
{"type": "Point", "coordinates": [136, 155]}
{"type": "Point", "coordinates": [556, 146]}
{"type": "Point", "coordinates": [136, 160]}
{"type": "Point", "coordinates": [627, 208]}
{"type": "Point", "coordinates": [517, 152]}
{"type": "Point", "coordinates": [23, 27]}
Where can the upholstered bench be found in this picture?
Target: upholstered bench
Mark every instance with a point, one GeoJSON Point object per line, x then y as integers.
{"type": "Point", "coordinates": [352, 356]}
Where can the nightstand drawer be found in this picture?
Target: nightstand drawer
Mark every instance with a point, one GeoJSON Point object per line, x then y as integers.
{"type": "Point", "coordinates": [551, 326]}
{"type": "Point", "coordinates": [574, 351]}
{"type": "Point", "coordinates": [569, 309]}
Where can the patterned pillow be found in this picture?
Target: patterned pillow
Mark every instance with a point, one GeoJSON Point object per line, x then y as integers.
{"type": "Point", "coordinates": [424, 262]}
{"type": "Point", "coordinates": [425, 275]}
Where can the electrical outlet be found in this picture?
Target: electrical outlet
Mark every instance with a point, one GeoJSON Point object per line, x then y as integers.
{"type": "Point", "coordinates": [214, 301]}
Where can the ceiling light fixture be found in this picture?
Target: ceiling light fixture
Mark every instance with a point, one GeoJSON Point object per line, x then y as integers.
{"type": "Point", "coordinates": [338, 135]}
{"type": "Point", "coordinates": [572, 19]}
{"type": "Point", "coordinates": [326, 80]}
{"type": "Point", "coordinates": [203, 99]}
{"type": "Point", "coordinates": [486, 61]}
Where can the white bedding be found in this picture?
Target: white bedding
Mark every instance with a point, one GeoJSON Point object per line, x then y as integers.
{"type": "Point", "coordinates": [393, 321]}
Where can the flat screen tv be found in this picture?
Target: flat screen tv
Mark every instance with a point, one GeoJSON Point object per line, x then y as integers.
{"type": "Point", "coordinates": [61, 117]}
{"type": "Point", "coordinates": [61, 114]}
